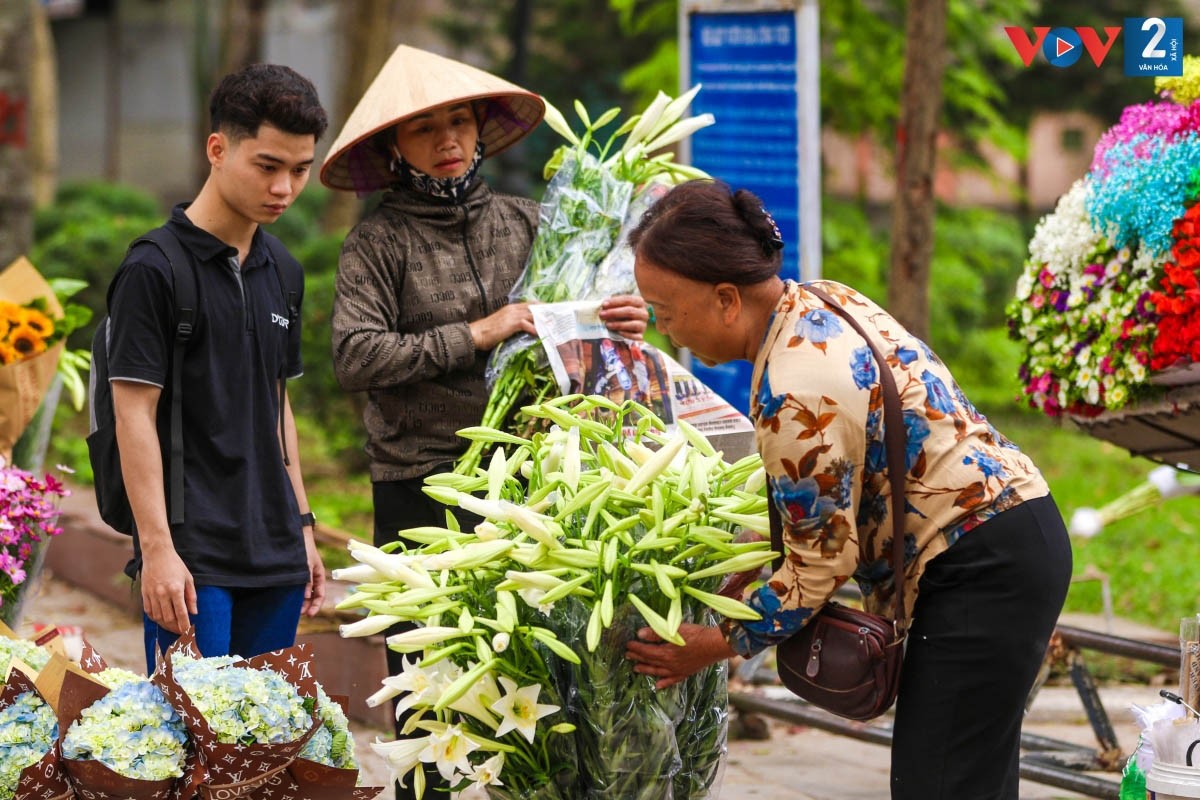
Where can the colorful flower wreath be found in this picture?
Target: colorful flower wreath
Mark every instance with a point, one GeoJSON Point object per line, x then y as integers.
{"type": "Point", "coordinates": [1110, 292]}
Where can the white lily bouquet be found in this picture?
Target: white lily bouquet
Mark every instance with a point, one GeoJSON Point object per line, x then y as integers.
{"type": "Point", "coordinates": [598, 190]}
{"type": "Point", "coordinates": [518, 672]}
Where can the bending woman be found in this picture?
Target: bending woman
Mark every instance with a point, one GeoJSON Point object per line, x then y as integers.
{"type": "Point", "coordinates": [987, 557]}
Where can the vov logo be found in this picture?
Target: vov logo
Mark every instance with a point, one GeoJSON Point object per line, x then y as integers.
{"type": "Point", "coordinates": [1152, 45]}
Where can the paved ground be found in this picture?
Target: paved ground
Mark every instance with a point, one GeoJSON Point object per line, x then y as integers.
{"type": "Point", "coordinates": [794, 764]}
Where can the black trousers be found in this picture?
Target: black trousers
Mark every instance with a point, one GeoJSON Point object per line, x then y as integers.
{"type": "Point", "coordinates": [982, 621]}
{"type": "Point", "coordinates": [400, 505]}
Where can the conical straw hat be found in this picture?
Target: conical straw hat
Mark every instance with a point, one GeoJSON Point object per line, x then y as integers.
{"type": "Point", "coordinates": [413, 81]}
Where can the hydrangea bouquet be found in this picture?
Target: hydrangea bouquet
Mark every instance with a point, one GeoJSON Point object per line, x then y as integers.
{"type": "Point", "coordinates": [1106, 302]}
{"type": "Point", "coordinates": [127, 743]}
{"type": "Point", "coordinates": [14, 648]}
{"type": "Point", "coordinates": [518, 672]}
{"type": "Point", "coordinates": [245, 718]}
{"type": "Point", "coordinates": [251, 722]}
{"type": "Point", "coordinates": [28, 731]}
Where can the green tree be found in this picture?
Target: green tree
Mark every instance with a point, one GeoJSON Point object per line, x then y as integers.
{"type": "Point", "coordinates": [862, 64]}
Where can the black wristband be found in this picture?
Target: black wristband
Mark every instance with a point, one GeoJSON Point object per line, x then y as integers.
{"type": "Point", "coordinates": [308, 520]}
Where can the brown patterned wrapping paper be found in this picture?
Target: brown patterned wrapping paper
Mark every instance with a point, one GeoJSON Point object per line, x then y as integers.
{"type": "Point", "coordinates": [91, 779]}
{"type": "Point", "coordinates": [321, 782]}
{"type": "Point", "coordinates": [44, 780]}
{"type": "Point", "coordinates": [226, 771]}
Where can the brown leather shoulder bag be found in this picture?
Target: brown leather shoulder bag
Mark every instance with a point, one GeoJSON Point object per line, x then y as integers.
{"type": "Point", "coordinates": [844, 660]}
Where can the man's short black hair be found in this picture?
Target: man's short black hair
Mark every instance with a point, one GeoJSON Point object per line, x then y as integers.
{"type": "Point", "coordinates": [270, 93]}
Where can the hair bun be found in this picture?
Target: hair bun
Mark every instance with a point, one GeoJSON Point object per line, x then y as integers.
{"type": "Point", "coordinates": [752, 211]}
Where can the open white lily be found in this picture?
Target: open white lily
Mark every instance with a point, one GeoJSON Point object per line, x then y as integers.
{"type": "Point", "coordinates": [519, 709]}
{"type": "Point", "coordinates": [401, 756]}
{"type": "Point", "coordinates": [449, 751]}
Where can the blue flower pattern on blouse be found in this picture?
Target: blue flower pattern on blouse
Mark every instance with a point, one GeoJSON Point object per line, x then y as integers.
{"type": "Point", "coordinates": [937, 396]}
{"type": "Point", "coordinates": [863, 368]}
{"type": "Point", "coordinates": [802, 504]}
{"type": "Point", "coordinates": [819, 326]}
{"type": "Point", "coordinates": [817, 385]}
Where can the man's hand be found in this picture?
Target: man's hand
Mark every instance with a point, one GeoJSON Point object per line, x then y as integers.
{"type": "Point", "coordinates": [314, 592]}
{"type": "Point", "coordinates": [168, 593]}
{"type": "Point", "coordinates": [491, 330]}
{"type": "Point", "coordinates": [625, 314]}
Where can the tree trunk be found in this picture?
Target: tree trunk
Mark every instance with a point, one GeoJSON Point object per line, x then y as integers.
{"type": "Point", "coordinates": [916, 151]}
{"type": "Point", "coordinates": [367, 28]}
{"type": "Point", "coordinates": [240, 29]}
{"type": "Point", "coordinates": [16, 196]}
{"type": "Point", "coordinates": [512, 161]}
{"type": "Point", "coordinates": [43, 106]}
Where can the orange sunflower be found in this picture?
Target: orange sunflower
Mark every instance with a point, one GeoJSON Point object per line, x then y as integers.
{"type": "Point", "coordinates": [38, 321]}
{"type": "Point", "coordinates": [10, 316]}
{"type": "Point", "coordinates": [26, 341]}
{"type": "Point", "coordinates": [7, 354]}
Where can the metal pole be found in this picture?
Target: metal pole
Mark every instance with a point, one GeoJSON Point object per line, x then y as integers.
{"type": "Point", "coordinates": [808, 126]}
{"type": "Point", "coordinates": [1166, 655]}
{"type": "Point", "coordinates": [804, 714]}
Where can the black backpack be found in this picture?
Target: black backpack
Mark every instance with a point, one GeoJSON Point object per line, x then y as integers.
{"type": "Point", "coordinates": [112, 499]}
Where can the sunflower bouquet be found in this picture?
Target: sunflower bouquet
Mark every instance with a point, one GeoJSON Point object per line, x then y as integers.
{"type": "Point", "coordinates": [35, 320]}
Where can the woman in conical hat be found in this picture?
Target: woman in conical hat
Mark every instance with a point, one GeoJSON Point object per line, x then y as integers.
{"type": "Point", "coordinates": [423, 280]}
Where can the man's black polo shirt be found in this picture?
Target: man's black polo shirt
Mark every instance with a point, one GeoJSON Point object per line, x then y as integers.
{"type": "Point", "coordinates": [242, 525]}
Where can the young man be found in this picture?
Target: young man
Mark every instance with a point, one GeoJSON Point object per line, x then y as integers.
{"type": "Point", "coordinates": [243, 566]}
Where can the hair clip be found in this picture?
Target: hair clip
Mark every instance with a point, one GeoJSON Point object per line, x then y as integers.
{"type": "Point", "coordinates": [774, 244]}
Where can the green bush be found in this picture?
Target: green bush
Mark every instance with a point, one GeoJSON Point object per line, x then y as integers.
{"type": "Point", "coordinates": [976, 260]}
{"type": "Point", "coordinates": [317, 395]}
{"type": "Point", "coordinates": [85, 235]}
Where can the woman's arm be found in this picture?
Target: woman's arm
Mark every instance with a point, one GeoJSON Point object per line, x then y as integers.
{"type": "Point", "coordinates": [369, 350]}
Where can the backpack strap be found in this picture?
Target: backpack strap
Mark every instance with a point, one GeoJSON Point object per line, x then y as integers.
{"type": "Point", "coordinates": [291, 301]}
{"type": "Point", "coordinates": [183, 279]}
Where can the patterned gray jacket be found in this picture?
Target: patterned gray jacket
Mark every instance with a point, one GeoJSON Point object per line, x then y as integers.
{"type": "Point", "coordinates": [412, 275]}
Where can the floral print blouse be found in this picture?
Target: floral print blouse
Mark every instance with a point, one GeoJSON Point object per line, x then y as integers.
{"type": "Point", "coordinates": [818, 414]}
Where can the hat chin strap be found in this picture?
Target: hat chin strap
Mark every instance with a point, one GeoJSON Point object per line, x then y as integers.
{"type": "Point", "coordinates": [452, 191]}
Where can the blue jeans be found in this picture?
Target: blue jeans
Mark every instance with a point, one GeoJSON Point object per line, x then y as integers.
{"type": "Point", "coordinates": [235, 621]}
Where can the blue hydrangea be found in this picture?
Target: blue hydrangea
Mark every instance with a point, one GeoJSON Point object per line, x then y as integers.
{"type": "Point", "coordinates": [332, 744]}
{"type": "Point", "coordinates": [28, 729]}
{"type": "Point", "coordinates": [243, 705]}
{"type": "Point", "coordinates": [132, 731]}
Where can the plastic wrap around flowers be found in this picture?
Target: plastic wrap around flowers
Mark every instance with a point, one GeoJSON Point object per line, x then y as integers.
{"type": "Point", "coordinates": [1107, 294]}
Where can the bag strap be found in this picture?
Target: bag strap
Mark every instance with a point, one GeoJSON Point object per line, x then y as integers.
{"type": "Point", "coordinates": [183, 279]}
{"type": "Point", "coordinates": [895, 442]}
{"type": "Point", "coordinates": [291, 302]}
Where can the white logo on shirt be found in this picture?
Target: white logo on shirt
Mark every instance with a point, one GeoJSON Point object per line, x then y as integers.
{"type": "Point", "coordinates": [279, 320]}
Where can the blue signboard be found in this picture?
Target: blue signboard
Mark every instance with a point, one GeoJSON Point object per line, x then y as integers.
{"type": "Point", "coordinates": [746, 63]}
